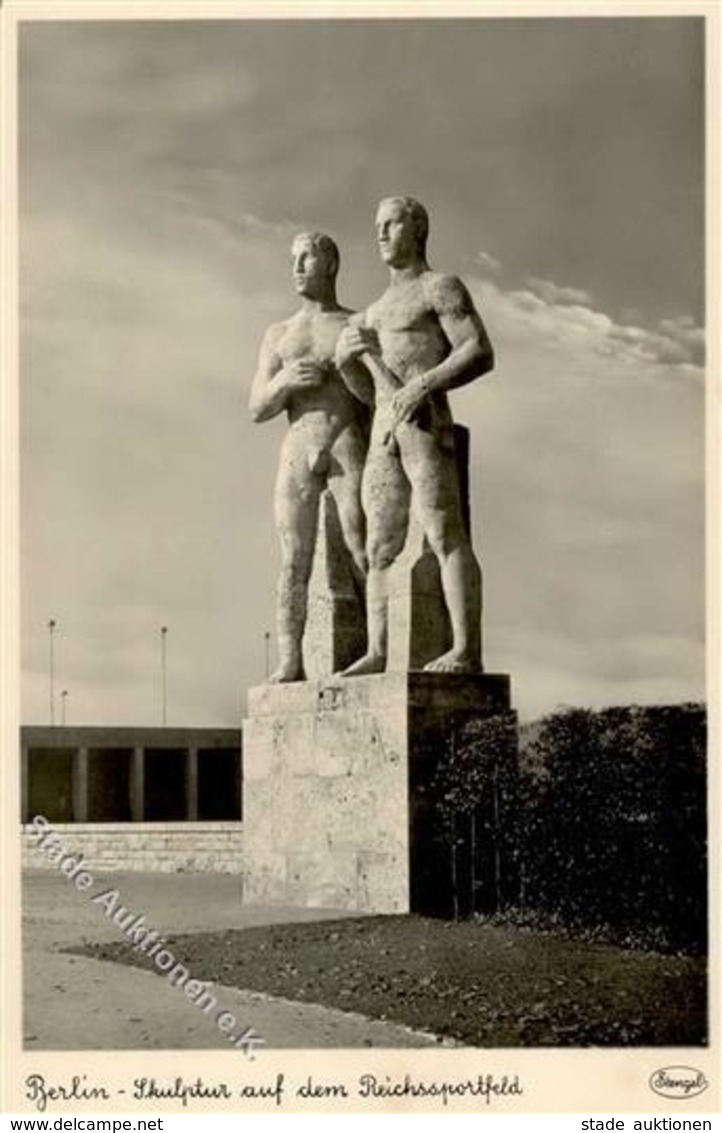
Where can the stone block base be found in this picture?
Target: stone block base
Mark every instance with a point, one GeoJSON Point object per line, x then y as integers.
{"type": "Point", "coordinates": [161, 847]}
{"type": "Point", "coordinates": [337, 775]}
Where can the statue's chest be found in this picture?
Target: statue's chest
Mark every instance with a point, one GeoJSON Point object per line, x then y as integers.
{"type": "Point", "coordinates": [315, 340]}
{"type": "Point", "coordinates": [396, 312]}
{"type": "Point", "coordinates": [408, 328]}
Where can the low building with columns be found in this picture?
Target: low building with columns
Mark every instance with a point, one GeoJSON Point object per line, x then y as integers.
{"type": "Point", "coordinates": [167, 799]}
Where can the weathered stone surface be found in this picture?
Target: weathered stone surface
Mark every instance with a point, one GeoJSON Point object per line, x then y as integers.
{"type": "Point", "coordinates": [420, 690]}
{"type": "Point", "coordinates": [322, 881]}
{"type": "Point", "coordinates": [266, 883]}
{"type": "Point", "coordinates": [166, 847]}
{"type": "Point", "coordinates": [318, 484]}
{"type": "Point", "coordinates": [421, 338]}
{"type": "Point", "coordinates": [329, 783]}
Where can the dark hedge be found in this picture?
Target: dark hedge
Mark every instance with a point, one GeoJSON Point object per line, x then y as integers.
{"type": "Point", "coordinates": [612, 822]}
{"type": "Point", "coordinates": [599, 827]}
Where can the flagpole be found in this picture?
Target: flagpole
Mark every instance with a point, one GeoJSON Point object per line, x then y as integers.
{"type": "Point", "coordinates": [164, 675]}
{"type": "Point", "coordinates": [51, 672]}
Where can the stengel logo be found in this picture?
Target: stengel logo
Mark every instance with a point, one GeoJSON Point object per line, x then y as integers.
{"type": "Point", "coordinates": [678, 1082]}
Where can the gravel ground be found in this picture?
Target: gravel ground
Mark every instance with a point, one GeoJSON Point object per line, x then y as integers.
{"type": "Point", "coordinates": [482, 985]}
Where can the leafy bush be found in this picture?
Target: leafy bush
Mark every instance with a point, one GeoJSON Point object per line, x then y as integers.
{"type": "Point", "coordinates": [599, 826]}
{"type": "Point", "coordinates": [612, 822]}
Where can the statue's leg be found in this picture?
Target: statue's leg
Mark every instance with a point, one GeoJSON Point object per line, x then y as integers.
{"type": "Point", "coordinates": [344, 486]}
{"type": "Point", "coordinates": [344, 483]}
{"type": "Point", "coordinates": [430, 464]}
{"type": "Point", "coordinates": [385, 498]}
{"type": "Point", "coordinates": [296, 512]}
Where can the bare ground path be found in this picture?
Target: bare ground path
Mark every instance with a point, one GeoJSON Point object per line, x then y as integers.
{"type": "Point", "coordinates": [73, 1002]}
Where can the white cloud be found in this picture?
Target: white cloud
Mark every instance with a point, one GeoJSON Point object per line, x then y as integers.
{"type": "Point", "coordinates": [488, 264]}
{"type": "Point", "coordinates": [527, 316]}
{"type": "Point", "coordinates": [553, 294]}
{"type": "Point", "coordinates": [672, 344]}
{"type": "Point", "coordinates": [587, 447]}
{"type": "Point", "coordinates": [283, 228]}
{"type": "Point", "coordinates": [685, 331]}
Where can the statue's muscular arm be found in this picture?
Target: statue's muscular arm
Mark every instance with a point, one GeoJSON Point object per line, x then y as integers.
{"type": "Point", "coordinates": [275, 383]}
{"type": "Point", "coordinates": [471, 353]}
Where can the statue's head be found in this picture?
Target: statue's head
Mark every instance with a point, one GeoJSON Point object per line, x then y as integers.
{"type": "Point", "coordinates": [315, 261]}
{"type": "Point", "coordinates": [402, 229]}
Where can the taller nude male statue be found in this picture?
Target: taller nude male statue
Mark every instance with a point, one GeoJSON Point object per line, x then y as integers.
{"type": "Point", "coordinates": [420, 339]}
{"type": "Point", "coordinates": [325, 446]}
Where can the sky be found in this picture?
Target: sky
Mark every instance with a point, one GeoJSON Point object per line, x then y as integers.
{"type": "Point", "coordinates": [165, 167]}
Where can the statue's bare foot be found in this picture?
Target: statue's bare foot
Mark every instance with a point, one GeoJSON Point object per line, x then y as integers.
{"type": "Point", "coordinates": [370, 663]}
{"type": "Point", "coordinates": [454, 661]}
{"type": "Point", "coordinates": [286, 673]}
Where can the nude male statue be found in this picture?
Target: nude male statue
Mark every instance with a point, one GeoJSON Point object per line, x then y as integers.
{"type": "Point", "coordinates": [325, 446]}
{"type": "Point", "coordinates": [420, 339]}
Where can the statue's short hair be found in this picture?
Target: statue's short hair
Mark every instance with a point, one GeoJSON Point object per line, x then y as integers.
{"type": "Point", "coordinates": [320, 242]}
{"type": "Point", "coordinates": [418, 214]}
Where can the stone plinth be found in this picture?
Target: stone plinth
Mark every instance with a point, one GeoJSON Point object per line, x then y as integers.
{"type": "Point", "coordinates": [332, 770]}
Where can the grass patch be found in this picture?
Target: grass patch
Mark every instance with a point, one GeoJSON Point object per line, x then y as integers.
{"type": "Point", "coordinates": [479, 984]}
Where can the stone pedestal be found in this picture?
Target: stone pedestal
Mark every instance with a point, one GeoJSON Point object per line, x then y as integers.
{"type": "Point", "coordinates": [339, 781]}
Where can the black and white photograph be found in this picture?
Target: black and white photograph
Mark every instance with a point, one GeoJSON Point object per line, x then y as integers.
{"type": "Point", "coordinates": [360, 549]}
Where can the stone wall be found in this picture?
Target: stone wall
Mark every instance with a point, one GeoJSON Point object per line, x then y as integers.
{"type": "Point", "coordinates": [164, 847]}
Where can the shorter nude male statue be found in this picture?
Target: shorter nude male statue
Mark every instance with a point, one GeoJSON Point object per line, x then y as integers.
{"type": "Point", "coordinates": [420, 339]}
{"type": "Point", "coordinates": [325, 446]}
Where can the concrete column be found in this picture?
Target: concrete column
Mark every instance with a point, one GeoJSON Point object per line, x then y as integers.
{"type": "Point", "coordinates": [192, 784]}
{"type": "Point", "coordinates": [80, 785]}
{"type": "Point", "coordinates": [137, 785]}
{"type": "Point", "coordinates": [25, 815]}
